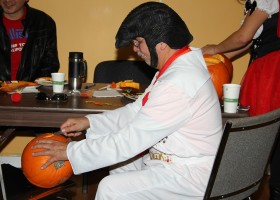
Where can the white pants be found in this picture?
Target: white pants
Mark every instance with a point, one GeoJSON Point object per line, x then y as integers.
{"type": "Point", "coordinates": [135, 181]}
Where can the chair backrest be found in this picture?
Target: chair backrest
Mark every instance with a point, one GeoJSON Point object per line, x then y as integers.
{"type": "Point", "coordinates": [120, 70]}
{"type": "Point", "coordinates": [243, 155]}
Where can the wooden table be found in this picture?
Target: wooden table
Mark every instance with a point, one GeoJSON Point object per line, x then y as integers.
{"type": "Point", "coordinates": [34, 113]}
{"type": "Point", "coordinates": [239, 114]}
{"type": "Point", "coordinates": [30, 112]}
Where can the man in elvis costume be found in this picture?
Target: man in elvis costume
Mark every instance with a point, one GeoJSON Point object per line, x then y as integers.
{"type": "Point", "coordinates": [178, 119]}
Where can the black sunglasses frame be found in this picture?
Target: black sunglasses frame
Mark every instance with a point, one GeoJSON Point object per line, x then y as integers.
{"type": "Point", "coordinates": [58, 97]}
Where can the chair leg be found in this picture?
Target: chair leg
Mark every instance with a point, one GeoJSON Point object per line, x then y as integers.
{"type": "Point", "coordinates": [85, 183]}
{"type": "Point", "coordinates": [2, 184]}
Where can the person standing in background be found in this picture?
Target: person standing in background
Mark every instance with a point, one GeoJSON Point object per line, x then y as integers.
{"type": "Point", "coordinates": [28, 42]}
{"type": "Point", "coordinates": [259, 32]}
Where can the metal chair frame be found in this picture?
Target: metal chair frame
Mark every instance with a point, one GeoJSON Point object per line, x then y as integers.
{"type": "Point", "coordinates": [245, 149]}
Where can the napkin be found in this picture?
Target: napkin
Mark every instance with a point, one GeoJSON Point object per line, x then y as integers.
{"type": "Point", "coordinates": [107, 93]}
{"type": "Point", "coordinates": [30, 90]}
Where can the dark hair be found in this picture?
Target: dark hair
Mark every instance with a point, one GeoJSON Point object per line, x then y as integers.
{"type": "Point", "coordinates": [155, 22]}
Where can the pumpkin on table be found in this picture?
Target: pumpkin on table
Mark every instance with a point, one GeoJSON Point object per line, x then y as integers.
{"type": "Point", "coordinates": [55, 174]}
{"type": "Point", "coordinates": [220, 69]}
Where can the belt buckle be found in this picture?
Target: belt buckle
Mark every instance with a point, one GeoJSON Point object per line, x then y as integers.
{"type": "Point", "coordinates": [157, 155]}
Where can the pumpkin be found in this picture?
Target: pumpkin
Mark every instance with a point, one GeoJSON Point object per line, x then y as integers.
{"type": "Point", "coordinates": [220, 69]}
{"type": "Point", "coordinates": [55, 174]}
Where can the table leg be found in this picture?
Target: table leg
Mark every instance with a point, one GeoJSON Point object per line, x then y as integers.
{"type": "Point", "coordinates": [7, 133]}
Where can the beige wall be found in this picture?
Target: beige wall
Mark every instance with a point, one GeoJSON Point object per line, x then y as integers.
{"type": "Point", "coordinates": [90, 26]}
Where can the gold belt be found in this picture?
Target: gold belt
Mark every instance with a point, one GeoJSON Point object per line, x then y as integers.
{"type": "Point", "coordinates": [158, 155]}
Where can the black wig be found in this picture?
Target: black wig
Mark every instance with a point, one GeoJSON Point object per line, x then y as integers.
{"type": "Point", "coordinates": [155, 22]}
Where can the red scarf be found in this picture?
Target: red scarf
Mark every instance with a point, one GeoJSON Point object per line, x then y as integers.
{"type": "Point", "coordinates": [178, 53]}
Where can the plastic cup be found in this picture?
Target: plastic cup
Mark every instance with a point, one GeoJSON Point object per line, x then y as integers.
{"type": "Point", "coordinates": [58, 82]}
{"type": "Point", "coordinates": [231, 97]}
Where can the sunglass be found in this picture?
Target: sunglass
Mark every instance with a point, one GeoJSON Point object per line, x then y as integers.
{"type": "Point", "coordinates": [137, 43]}
{"type": "Point", "coordinates": [59, 97]}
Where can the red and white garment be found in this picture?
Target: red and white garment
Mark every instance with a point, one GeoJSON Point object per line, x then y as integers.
{"type": "Point", "coordinates": [261, 84]}
{"type": "Point", "coordinates": [182, 118]}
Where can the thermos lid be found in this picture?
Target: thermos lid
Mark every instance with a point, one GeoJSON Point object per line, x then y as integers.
{"type": "Point", "coordinates": [76, 55]}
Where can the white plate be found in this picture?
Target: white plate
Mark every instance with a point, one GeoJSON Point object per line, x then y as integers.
{"type": "Point", "coordinates": [44, 82]}
{"type": "Point", "coordinates": [28, 89]}
{"type": "Point", "coordinates": [108, 87]}
{"type": "Point", "coordinates": [31, 87]}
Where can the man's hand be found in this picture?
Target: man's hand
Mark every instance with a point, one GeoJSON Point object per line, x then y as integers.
{"type": "Point", "coordinates": [73, 127]}
{"type": "Point", "coordinates": [56, 150]}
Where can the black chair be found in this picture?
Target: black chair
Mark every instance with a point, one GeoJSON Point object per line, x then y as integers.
{"type": "Point", "coordinates": [120, 70]}
{"type": "Point", "coordinates": [243, 155]}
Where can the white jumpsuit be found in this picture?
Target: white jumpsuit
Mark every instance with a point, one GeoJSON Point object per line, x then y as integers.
{"type": "Point", "coordinates": [181, 119]}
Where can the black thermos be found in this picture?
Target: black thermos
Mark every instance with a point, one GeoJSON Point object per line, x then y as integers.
{"type": "Point", "coordinates": [77, 73]}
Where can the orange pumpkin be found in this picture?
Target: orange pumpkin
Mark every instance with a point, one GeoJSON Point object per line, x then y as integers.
{"type": "Point", "coordinates": [220, 69]}
{"type": "Point", "coordinates": [55, 174]}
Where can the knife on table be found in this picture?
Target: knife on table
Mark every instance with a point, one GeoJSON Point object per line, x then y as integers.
{"type": "Point", "coordinates": [58, 133]}
{"type": "Point", "coordinates": [62, 133]}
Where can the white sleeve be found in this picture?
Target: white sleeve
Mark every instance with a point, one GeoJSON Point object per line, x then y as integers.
{"type": "Point", "coordinates": [269, 6]}
{"type": "Point", "coordinates": [110, 121]}
{"type": "Point", "coordinates": [166, 110]}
